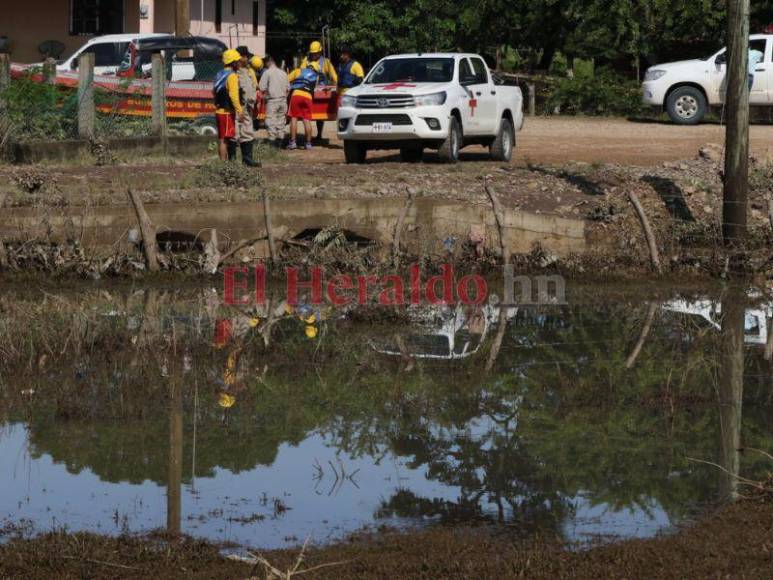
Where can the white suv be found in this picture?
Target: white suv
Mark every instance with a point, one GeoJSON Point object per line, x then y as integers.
{"type": "Point", "coordinates": [687, 89]}
{"type": "Point", "coordinates": [108, 52]}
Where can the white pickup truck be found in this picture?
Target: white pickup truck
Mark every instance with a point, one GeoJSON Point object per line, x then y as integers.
{"type": "Point", "coordinates": [440, 101]}
{"type": "Point", "coordinates": [686, 89]}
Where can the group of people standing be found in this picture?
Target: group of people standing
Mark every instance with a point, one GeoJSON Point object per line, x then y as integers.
{"type": "Point", "coordinates": [248, 80]}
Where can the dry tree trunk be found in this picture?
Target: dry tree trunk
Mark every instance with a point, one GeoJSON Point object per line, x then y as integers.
{"type": "Point", "coordinates": [645, 224]}
{"type": "Point", "coordinates": [499, 214]}
{"type": "Point", "coordinates": [148, 232]}
{"type": "Point", "coordinates": [645, 331]}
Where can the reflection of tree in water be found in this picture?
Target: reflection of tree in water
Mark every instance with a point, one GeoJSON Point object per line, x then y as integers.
{"type": "Point", "coordinates": [560, 415]}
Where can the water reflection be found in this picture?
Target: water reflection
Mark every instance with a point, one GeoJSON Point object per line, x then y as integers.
{"type": "Point", "coordinates": [263, 426]}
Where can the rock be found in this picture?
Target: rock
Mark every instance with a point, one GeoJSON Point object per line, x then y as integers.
{"type": "Point", "coordinates": [708, 209]}
{"type": "Point", "coordinates": [711, 152]}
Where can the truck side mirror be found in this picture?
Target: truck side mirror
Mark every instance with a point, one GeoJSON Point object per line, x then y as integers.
{"type": "Point", "coordinates": [74, 64]}
{"type": "Point", "coordinates": [721, 59]}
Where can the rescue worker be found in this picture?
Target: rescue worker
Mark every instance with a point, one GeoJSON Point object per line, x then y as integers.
{"type": "Point", "coordinates": [228, 104]}
{"type": "Point", "coordinates": [248, 87]}
{"type": "Point", "coordinates": [303, 81]}
{"type": "Point", "coordinates": [350, 72]}
{"type": "Point", "coordinates": [256, 68]}
{"type": "Point", "coordinates": [328, 74]}
{"type": "Point", "coordinates": [274, 87]}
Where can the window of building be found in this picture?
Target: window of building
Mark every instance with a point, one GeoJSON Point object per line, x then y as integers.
{"type": "Point", "coordinates": [218, 15]}
{"type": "Point", "coordinates": [96, 16]}
{"type": "Point", "coordinates": [255, 12]}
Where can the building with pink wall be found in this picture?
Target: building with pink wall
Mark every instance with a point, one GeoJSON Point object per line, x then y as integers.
{"type": "Point", "coordinates": [73, 22]}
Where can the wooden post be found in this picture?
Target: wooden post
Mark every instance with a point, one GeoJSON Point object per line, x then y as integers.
{"type": "Point", "coordinates": [532, 98]}
{"type": "Point", "coordinates": [5, 76]}
{"type": "Point", "coordinates": [49, 71]}
{"type": "Point", "coordinates": [182, 17]}
{"type": "Point", "coordinates": [736, 178]}
{"type": "Point", "coordinates": [158, 98]}
{"type": "Point", "coordinates": [86, 110]}
{"type": "Point", "coordinates": [269, 231]}
{"type": "Point", "coordinates": [147, 230]}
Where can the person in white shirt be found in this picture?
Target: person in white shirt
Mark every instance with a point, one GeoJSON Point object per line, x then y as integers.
{"type": "Point", "coordinates": [755, 58]}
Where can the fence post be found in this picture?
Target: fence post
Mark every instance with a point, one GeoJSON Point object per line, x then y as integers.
{"type": "Point", "coordinates": [5, 76]}
{"type": "Point", "coordinates": [532, 99]}
{"type": "Point", "coordinates": [158, 98]}
{"type": "Point", "coordinates": [86, 108]}
{"type": "Point", "coordinates": [49, 71]}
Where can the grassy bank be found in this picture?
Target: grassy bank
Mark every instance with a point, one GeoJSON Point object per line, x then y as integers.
{"type": "Point", "coordinates": [735, 542]}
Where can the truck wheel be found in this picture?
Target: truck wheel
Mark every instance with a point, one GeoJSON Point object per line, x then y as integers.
{"type": "Point", "coordinates": [686, 106]}
{"type": "Point", "coordinates": [412, 154]}
{"type": "Point", "coordinates": [502, 147]}
{"type": "Point", "coordinates": [448, 152]}
{"type": "Point", "coordinates": [355, 152]}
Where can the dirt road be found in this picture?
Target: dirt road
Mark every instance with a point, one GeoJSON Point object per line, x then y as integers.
{"type": "Point", "coordinates": [557, 140]}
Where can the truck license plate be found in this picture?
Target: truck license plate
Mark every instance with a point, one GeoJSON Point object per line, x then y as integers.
{"type": "Point", "coordinates": [382, 127]}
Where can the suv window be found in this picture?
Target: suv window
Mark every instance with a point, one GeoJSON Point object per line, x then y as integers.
{"type": "Point", "coordinates": [481, 75]}
{"type": "Point", "coordinates": [758, 44]}
{"type": "Point", "coordinates": [466, 76]}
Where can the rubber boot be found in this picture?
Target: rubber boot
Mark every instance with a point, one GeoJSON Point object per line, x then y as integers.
{"type": "Point", "coordinates": [247, 154]}
{"type": "Point", "coordinates": [231, 150]}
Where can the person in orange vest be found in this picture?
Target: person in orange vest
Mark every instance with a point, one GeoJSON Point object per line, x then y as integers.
{"type": "Point", "coordinates": [228, 104]}
{"type": "Point", "coordinates": [328, 75]}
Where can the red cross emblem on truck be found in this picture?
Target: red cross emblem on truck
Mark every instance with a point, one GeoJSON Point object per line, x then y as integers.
{"type": "Point", "coordinates": [473, 106]}
{"type": "Point", "coordinates": [397, 85]}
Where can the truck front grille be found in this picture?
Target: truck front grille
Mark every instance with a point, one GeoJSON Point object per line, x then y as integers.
{"type": "Point", "coordinates": [364, 120]}
{"type": "Point", "coordinates": [385, 102]}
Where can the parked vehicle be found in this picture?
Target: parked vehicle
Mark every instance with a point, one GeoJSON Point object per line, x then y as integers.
{"type": "Point", "coordinates": [441, 101]}
{"type": "Point", "coordinates": [187, 58]}
{"type": "Point", "coordinates": [108, 52]}
{"type": "Point", "coordinates": [687, 89]}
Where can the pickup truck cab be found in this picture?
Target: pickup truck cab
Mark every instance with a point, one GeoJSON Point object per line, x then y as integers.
{"type": "Point", "coordinates": [688, 88]}
{"type": "Point", "coordinates": [441, 101]}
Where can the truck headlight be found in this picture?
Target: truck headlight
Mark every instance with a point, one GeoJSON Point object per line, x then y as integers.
{"type": "Point", "coordinates": [348, 101]}
{"type": "Point", "coordinates": [654, 74]}
{"type": "Point", "coordinates": [431, 100]}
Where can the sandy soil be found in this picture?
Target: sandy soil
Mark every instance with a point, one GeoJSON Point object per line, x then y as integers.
{"type": "Point", "coordinates": [557, 140]}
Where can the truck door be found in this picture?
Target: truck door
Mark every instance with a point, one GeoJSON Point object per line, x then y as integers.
{"type": "Point", "coordinates": [470, 118]}
{"type": "Point", "coordinates": [762, 72]}
{"type": "Point", "coordinates": [485, 94]}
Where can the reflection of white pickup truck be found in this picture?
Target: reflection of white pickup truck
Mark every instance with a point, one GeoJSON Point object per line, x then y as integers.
{"type": "Point", "coordinates": [440, 101]}
{"type": "Point", "coordinates": [686, 89]}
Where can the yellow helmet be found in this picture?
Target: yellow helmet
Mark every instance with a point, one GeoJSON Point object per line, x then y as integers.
{"type": "Point", "coordinates": [311, 331]}
{"type": "Point", "coordinates": [315, 47]}
{"type": "Point", "coordinates": [226, 401]}
{"type": "Point", "coordinates": [256, 62]}
{"type": "Point", "coordinates": [230, 56]}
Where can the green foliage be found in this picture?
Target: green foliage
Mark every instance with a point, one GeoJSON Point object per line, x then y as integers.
{"type": "Point", "coordinates": [604, 93]}
{"type": "Point", "coordinates": [39, 111]}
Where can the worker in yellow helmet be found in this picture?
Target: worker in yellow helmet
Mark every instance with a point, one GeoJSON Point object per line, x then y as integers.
{"type": "Point", "coordinates": [248, 85]}
{"type": "Point", "coordinates": [328, 75]}
{"type": "Point", "coordinates": [229, 104]}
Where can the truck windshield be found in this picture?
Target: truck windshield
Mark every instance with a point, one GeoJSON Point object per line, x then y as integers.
{"type": "Point", "coordinates": [419, 70]}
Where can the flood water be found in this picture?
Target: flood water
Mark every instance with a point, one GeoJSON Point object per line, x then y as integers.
{"type": "Point", "coordinates": [127, 410]}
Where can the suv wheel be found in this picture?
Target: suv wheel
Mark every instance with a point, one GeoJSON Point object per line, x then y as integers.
{"type": "Point", "coordinates": [502, 147]}
{"type": "Point", "coordinates": [355, 152]}
{"type": "Point", "coordinates": [686, 106]}
{"type": "Point", "coordinates": [449, 149]}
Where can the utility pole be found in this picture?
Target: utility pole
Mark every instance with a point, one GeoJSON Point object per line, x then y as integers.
{"type": "Point", "coordinates": [182, 17]}
{"type": "Point", "coordinates": [736, 178]}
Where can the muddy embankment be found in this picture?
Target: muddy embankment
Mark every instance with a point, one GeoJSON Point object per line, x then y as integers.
{"type": "Point", "coordinates": [578, 219]}
{"type": "Point", "coordinates": [734, 543]}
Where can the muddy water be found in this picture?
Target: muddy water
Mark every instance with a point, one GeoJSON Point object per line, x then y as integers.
{"type": "Point", "coordinates": [130, 410]}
